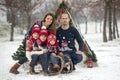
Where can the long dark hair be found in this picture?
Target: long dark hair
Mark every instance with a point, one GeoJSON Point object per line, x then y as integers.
{"type": "Point", "coordinates": [52, 25]}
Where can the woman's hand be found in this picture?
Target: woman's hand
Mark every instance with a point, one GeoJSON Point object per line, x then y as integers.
{"type": "Point", "coordinates": [79, 52]}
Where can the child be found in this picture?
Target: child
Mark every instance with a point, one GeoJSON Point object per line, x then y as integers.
{"type": "Point", "coordinates": [33, 38]}
{"type": "Point", "coordinates": [30, 45]}
{"type": "Point", "coordinates": [41, 55]}
{"type": "Point", "coordinates": [53, 47]}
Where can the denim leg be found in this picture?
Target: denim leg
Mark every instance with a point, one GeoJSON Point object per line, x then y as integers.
{"type": "Point", "coordinates": [34, 61]}
{"type": "Point", "coordinates": [68, 54]}
{"type": "Point", "coordinates": [78, 59]}
{"type": "Point", "coordinates": [22, 60]}
{"type": "Point", "coordinates": [44, 61]}
{"type": "Point", "coordinates": [53, 59]}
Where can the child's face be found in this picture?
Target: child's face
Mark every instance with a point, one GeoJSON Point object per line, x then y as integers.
{"type": "Point", "coordinates": [35, 35]}
{"type": "Point", "coordinates": [43, 38]}
{"type": "Point", "coordinates": [52, 42]}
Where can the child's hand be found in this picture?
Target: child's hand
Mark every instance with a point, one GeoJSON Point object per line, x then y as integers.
{"type": "Point", "coordinates": [29, 43]}
{"type": "Point", "coordinates": [45, 50]}
{"type": "Point", "coordinates": [53, 54]}
{"type": "Point", "coordinates": [35, 48]}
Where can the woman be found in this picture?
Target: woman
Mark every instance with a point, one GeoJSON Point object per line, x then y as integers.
{"type": "Point", "coordinates": [49, 22]}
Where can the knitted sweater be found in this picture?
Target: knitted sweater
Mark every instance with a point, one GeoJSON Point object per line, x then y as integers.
{"type": "Point", "coordinates": [66, 39]}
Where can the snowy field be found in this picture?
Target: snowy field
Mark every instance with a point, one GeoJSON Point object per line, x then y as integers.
{"type": "Point", "coordinates": [108, 55]}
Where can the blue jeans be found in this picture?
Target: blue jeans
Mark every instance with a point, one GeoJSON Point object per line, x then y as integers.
{"type": "Point", "coordinates": [76, 58]}
{"type": "Point", "coordinates": [53, 59]}
{"type": "Point", "coordinates": [22, 60]}
{"type": "Point", "coordinates": [34, 60]}
{"type": "Point", "coordinates": [43, 58]}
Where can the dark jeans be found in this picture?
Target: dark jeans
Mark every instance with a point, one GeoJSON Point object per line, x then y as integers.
{"type": "Point", "coordinates": [76, 58]}
{"type": "Point", "coordinates": [53, 59]}
{"type": "Point", "coordinates": [42, 59]}
{"type": "Point", "coordinates": [34, 60]}
{"type": "Point", "coordinates": [22, 60]}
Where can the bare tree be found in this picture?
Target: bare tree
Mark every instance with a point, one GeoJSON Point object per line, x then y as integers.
{"type": "Point", "coordinates": [104, 25]}
{"type": "Point", "coordinates": [11, 6]}
{"type": "Point", "coordinates": [110, 13]}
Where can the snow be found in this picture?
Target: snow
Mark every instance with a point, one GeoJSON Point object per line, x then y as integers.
{"type": "Point", "coordinates": [107, 54]}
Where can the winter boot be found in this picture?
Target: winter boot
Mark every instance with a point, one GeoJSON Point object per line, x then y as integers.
{"type": "Point", "coordinates": [74, 67]}
{"type": "Point", "coordinates": [14, 68]}
{"type": "Point", "coordinates": [32, 72]}
{"type": "Point", "coordinates": [46, 73]}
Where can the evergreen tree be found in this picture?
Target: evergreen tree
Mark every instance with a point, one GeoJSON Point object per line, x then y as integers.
{"type": "Point", "coordinates": [20, 51]}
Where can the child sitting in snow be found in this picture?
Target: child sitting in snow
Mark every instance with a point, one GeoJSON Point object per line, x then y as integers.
{"type": "Point", "coordinates": [53, 47]}
{"type": "Point", "coordinates": [39, 52]}
{"type": "Point", "coordinates": [30, 45]}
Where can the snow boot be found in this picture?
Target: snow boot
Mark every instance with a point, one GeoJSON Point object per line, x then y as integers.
{"type": "Point", "coordinates": [14, 68]}
{"type": "Point", "coordinates": [46, 73]}
{"type": "Point", "coordinates": [74, 67]}
{"type": "Point", "coordinates": [32, 72]}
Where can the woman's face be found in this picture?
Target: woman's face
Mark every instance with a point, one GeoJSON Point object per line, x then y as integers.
{"type": "Point", "coordinates": [48, 20]}
{"type": "Point", "coordinates": [43, 38]}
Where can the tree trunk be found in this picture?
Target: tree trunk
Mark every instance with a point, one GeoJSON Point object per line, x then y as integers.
{"type": "Point", "coordinates": [104, 24]}
{"type": "Point", "coordinates": [12, 25]}
{"type": "Point", "coordinates": [96, 26]}
{"type": "Point", "coordinates": [12, 32]}
{"type": "Point", "coordinates": [100, 26]}
{"type": "Point", "coordinates": [114, 11]}
{"type": "Point", "coordinates": [116, 28]}
{"type": "Point", "coordinates": [8, 15]}
{"type": "Point", "coordinates": [29, 22]}
{"type": "Point", "coordinates": [110, 20]}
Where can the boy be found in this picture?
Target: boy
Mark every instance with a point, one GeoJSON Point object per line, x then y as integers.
{"type": "Point", "coordinates": [53, 48]}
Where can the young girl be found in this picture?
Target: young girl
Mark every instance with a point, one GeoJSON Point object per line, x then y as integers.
{"type": "Point", "coordinates": [30, 46]}
{"type": "Point", "coordinates": [40, 56]}
{"type": "Point", "coordinates": [53, 49]}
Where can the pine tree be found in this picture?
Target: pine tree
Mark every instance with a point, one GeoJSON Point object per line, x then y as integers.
{"type": "Point", "coordinates": [20, 51]}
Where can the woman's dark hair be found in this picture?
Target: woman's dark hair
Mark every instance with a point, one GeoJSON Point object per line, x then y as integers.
{"type": "Point", "coordinates": [52, 25]}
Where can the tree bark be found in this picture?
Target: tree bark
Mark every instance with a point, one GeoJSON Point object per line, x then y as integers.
{"type": "Point", "coordinates": [29, 22]}
{"type": "Point", "coordinates": [110, 19]}
{"type": "Point", "coordinates": [116, 28]}
{"type": "Point", "coordinates": [114, 12]}
{"type": "Point", "coordinates": [96, 26]}
{"type": "Point", "coordinates": [12, 25]}
{"type": "Point", "coordinates": [104, 24]}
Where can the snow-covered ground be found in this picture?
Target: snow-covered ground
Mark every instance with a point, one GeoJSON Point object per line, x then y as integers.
{"type": "Point", "coordinates": [108, 55]}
